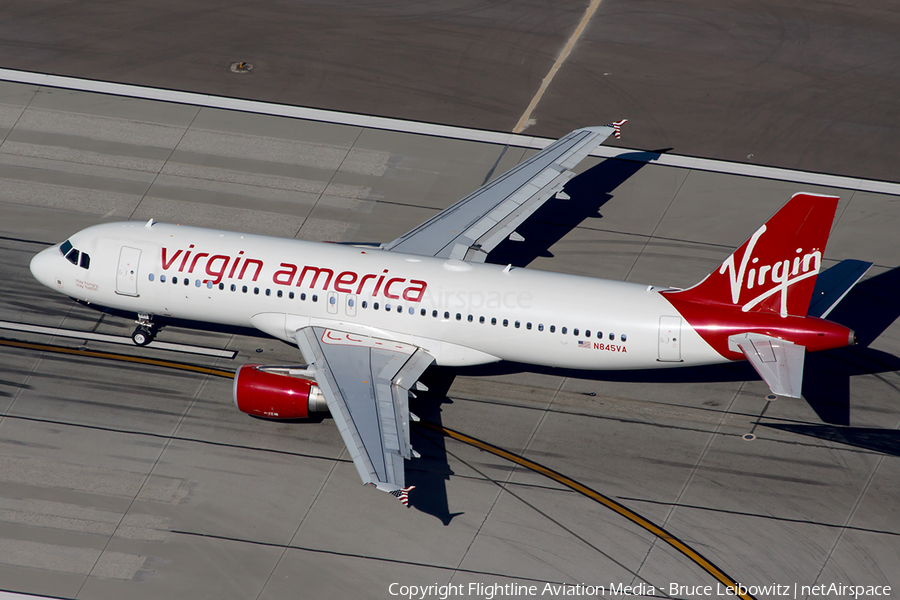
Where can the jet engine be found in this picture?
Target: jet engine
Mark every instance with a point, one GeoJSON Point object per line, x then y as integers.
{"type": "Point", "coordinates": [277, 392]}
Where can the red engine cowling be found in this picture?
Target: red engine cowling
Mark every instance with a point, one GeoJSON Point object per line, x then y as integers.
{"type": "Point", "coordinates": [273, 393]}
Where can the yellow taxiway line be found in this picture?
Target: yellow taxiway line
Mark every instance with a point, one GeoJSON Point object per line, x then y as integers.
{"type": "Point", "coordinates": [632, 516]}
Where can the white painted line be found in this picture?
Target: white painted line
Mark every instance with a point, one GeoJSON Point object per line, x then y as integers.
{"type": "Point", "coordinates": [116, 339]}
{"type": "Point", "coordinates": [445, 131]}
{"type": "Point", "coordinates": [525, 119]}
{"type": "Point", "coordinates": [16, 596]}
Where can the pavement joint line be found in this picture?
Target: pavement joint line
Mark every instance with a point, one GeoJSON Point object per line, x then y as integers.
{"type": "Point", "coordinates": [563, 55]}
{"type": "Point", "coordinates": [444, 131]}
{"type": "Point", "coordinates": [606, 501]}
{"type": "Point", "coordinates": [116, 339]}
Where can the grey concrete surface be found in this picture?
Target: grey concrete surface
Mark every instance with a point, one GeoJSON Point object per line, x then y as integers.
{"type": "Point", "coordinates": [808, 86]}
{"type": "Point", "coordinates": [124, 480]}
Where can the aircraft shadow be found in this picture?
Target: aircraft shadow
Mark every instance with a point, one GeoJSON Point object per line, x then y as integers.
{"type": "Point", "coordinates": [431, 472]}
{"type": "Point", "coordinates": [869, 309]}
{"type": "Point", "coordinates": [589, 191]}
{"type": "Point", "coordinates": [885, 441]}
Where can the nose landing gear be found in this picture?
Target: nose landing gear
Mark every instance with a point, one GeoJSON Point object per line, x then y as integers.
{"type": "Point", "coordinates": [144, 332]}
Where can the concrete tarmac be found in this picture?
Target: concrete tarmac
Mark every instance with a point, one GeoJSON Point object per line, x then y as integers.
{"type": "Point", "coordinates": [808, 86]}
{"type": "Point", "coordinates": [141, 481]}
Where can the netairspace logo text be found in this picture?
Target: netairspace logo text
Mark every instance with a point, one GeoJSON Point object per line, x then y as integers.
{"type": "Point", "coordinates": [490, 591]}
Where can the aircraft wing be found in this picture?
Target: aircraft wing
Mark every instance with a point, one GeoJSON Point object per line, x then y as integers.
{"type": "Point", "coordinates": [778, 362]}
{"type": "Point", "coordinates": [366, 382]}
{"type": "Point", "coordinates": [475, 225]}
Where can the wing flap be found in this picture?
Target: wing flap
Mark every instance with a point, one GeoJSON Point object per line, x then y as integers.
{"type": "Point", "coordinates": [778, 362]}
{"type": "Point", "coordinates": [365, 382]}
{"type": "Point", "coordinates": [474, 226]}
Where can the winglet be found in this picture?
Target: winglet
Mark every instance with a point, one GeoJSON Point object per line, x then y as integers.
{"type": "Point", "coordinates": [403, 494]}
{"type": "Point", "coordinates": [617, 128]}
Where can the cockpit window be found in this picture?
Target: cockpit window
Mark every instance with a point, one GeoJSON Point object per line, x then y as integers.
{"type": "Point", "coordinates": [74, 256]}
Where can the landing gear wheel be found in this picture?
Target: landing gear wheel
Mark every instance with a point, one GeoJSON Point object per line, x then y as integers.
{"type": "Point", "coordinates": [142, 336]}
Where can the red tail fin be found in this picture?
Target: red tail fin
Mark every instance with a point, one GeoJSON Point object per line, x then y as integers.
{"type": "Point", "coordinates": [775, 270]}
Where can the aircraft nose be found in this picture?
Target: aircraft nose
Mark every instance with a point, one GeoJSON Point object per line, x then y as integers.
{"type": "Point", "coordinates": [42, 266]}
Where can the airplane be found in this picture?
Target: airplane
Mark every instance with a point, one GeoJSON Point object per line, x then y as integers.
{"type": "Point", "coordinates": [369, 320]}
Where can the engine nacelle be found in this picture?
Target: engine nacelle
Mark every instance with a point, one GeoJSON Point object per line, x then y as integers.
{"type": "Point", "coordinates": [277, 392]}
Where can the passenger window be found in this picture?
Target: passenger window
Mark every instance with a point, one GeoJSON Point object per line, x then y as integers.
{"type": "Point", "coordinates": [599, 335]}
{"type": "Point", "coordinates": [332, 300]}
{"type": "Point", "coordinates": [412, 311]}
{"type": "Point", "coordinates": [624, 337]}
{"type": "Point", "coordinates": [350, 302]}
{"type": "Point", "coordinates": [527, 325]}
{"type": "Point", "coordinates": [387, 307]}
{"type": "Point", "coordinates": [151, 276]}
{"type": "Point", "coordinates": [256, 291]}
{"type": "Point", "coordinates": [458, 317]}
{"type": "Point", "coordinates": [506, 322]}
{"type": "Point", "coordinates": [518, 324]}
{"type": "Point", "coordinates": [574, 332]}
{"type": "Point", "coordinates": [587, 333]}
{"type": "Point", "coordinates": [197, 283]}
{"type": "Point", "coordinates": [280, 293]}
{"type": "Point", "coordinates": [471, 318]}
{"type": "Point", "coordinates": [563, 330]}
{"type": "Point", "coordinates": [291, 295]}
{"type": "Point", "coordinates": [209, 285]}
{"type": "Point", "coordinates": [399, 309]}
{"type": "Point", "coordinates": [303, 295]}
{"type": "Point", "coordinates": [553, 329]}
{"type": "Point", "coordinates": [365, 304]}
{"type": "Point", "coordinates": [493, 320]}
{"type": "Point", "coordinates": [315, 298]}
{"type": "Point", "coordinates": [162, 278]}
{"type": "Point", "coordinates": [244, 289]}
{"type": "Point", "coordinates": [540, 326]}
{"type": "Point", "coordinates": [446, 315]}
{"type": "Point", "coordinates": [268, 292]}
{"type": "Point", "coordinates": [174, 281]}
{"type": "Point", "coordinates": [424, 312]}
{"type": "Point", "coordinates": [481, 319]}
{"type": "Point", "coordinates": [221, 286]}
{"type": "Point", "coordinates": [233, 288]}
{"type": "Point", "coordinates": [375, 306]}
{"type": "Point", "coordinates": [612, 336]}
{"type": "Point", "coordinates": [85, 261]}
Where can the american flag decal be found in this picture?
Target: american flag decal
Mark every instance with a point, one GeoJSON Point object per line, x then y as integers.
{"type": "Point", "coordinates": [403, 494]}
{"type": "Point", "coordinates": [584, 344]}
{"type": "Point", "coordinates": [617, 127]}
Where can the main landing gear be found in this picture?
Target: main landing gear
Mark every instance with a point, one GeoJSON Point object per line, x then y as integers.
{"type": "Point", "coordinates": [144, 332]}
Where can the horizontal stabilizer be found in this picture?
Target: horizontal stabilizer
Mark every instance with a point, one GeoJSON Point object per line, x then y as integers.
{"type": "Point", "coordinates": [778, 362]}
{"type": "Point", "coordinates": [833, 284]}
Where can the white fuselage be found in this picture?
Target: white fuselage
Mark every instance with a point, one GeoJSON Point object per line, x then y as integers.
{"type": "Point", "coordinates": [461, 313]}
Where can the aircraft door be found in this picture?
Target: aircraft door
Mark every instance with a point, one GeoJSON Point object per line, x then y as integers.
{"type": "Point", "coordinates": [351, 305]}
{"type": "Point", "coordinates": [332, 305]}
{"type": "Point", "coordinates": [670, 339]}
{"type": "Point", "coordinates": [127, 274]}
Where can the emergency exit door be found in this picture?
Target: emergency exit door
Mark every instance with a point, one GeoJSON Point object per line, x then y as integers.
{"type": "Point", "coordinates": [126, 276]}
{"type": "Point", "coordinates": [670, 339]}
